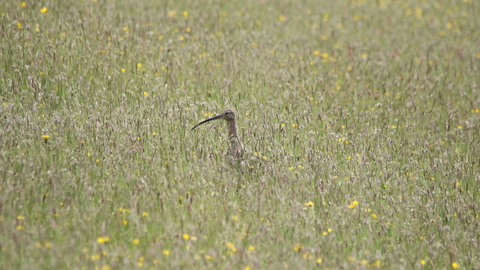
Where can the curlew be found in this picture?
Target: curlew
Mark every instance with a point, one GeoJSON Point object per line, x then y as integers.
{"type": "Point", "coordinates": [235, 146]}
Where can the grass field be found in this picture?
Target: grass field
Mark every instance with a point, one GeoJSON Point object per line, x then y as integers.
{"type": "Point", "coordinates": [361, 118]}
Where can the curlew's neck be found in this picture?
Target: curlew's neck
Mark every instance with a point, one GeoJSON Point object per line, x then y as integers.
{"type": "Point", "coordinates": [232, 130]}
{"type": "Point", "coordinates": [235, 146]}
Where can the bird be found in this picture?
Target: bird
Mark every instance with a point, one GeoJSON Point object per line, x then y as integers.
{"type": "Point", "coordinates": [235, 146]}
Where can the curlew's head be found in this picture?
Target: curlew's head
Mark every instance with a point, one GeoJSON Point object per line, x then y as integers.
{"type": "Point", "coordinates": [227, 115]}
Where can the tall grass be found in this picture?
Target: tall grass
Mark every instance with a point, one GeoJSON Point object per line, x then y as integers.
{"type": "Point", "coordinates": [361, 118]}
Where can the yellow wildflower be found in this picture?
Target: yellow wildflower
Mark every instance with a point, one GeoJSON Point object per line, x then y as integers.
{"type": "Point", "coordinates": [102, 240]}
{"type": "Point", "coordinates": [353, 204]}
{"type": "Point", "coordinates": [298, 247]}
{"type": "Point", "coordinates": [309, 204]}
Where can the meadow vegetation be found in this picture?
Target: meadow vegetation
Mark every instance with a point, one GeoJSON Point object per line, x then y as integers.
{"type": "Point", "coordinates": [361, 118]}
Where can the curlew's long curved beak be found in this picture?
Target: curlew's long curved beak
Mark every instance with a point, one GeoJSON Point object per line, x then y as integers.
{"type": "Point", "coordinates": [208, 120]}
